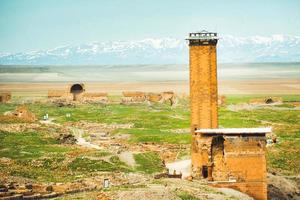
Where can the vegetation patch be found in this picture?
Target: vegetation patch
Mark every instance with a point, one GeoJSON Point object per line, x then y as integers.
{"type": "Point", "coordinates": [149, 162]}
{"type": "Point", "coordinates": [28, 145]}
{"type": "Point", "coordinates": [85, 164]}
{"type": "Point", "coordinates": [186, 196]}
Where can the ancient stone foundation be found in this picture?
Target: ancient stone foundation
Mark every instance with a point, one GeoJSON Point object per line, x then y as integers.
{"type": "Point", "coordinates": [56, 93]}
{"type": "Point", "coordinates": [5, 97]}
{"type": "Point", "coordinates": [232, 158]}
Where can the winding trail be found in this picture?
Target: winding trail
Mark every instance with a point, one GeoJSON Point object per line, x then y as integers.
{"type": "Point", "coordinates": [80, 140]}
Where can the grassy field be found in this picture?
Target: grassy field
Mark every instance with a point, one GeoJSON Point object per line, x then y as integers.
{"type": "Point", "coordinates": [37, 155]}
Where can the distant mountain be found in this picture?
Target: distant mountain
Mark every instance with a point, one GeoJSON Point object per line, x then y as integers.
{"type": "Point", "coordinates": [276, 48]}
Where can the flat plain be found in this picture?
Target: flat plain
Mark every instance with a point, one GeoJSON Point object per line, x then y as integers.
{"type": "Point", "coordinates": [150, 133]}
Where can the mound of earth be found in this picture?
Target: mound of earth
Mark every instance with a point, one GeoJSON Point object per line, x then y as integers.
{"type": "Point", "coordinates": [280, 188]}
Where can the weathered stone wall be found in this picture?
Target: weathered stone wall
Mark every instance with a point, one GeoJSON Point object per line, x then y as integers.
{"type": "Point", "coordinates": [154, 97]}
{"type": "Point", "coordinates": [201, 147]}
{"type": "Point", "coordinates": [95, 94]}
{"type": "Point", "coordinates": [237, 162]}
{"type": "Point", "coordinates": [266, 100]}
{"type": "Point", "coordinates": [95, 97]}
{"type": "Point", "coordinates": [133, 97]}
{"type": "Point", "coordinates": [56, 93]}
{"type": "Point", "coordinates": [241, 159]}
{"type": "Point", "coordinates": [257, 190]}
{"type": "Point", "coordinates": [22, 113]}
{"type": "Point", "coordinates": [168, 97]}
{"type": "Point", "coordinates": [5, 97]}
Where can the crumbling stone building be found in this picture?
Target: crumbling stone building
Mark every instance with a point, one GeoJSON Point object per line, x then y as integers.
{"type": "Point", "coordinates": [130, 96]}
{"type": "Point", "coordinates": [5, 97]}
{"type": "Point", "coordinates": [233, 158]}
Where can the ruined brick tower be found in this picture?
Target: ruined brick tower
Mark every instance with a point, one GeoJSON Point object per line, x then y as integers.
{"type": "Point", "coordinates": [203, 89]}
{"type": "Point", "coordinates": [203, 80]}
{"type": "Point", "coordinates": [232, 157]}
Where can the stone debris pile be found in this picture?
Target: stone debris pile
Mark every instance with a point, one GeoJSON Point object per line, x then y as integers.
{"type": "Point", "coordinates": [21, 113]}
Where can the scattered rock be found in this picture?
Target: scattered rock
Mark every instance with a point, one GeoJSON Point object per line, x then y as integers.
{"type": "Point", "coordinates": [267, 100]}
{"type": "Point", "coordinates": [5, 97]}
{"type": "Point", "coordinates": [23, 113]}
{"type": "Point", "coordinates": [62, 102]}
{"type": "Point", "coordinates": [50, 195]}
{"type": "Point", "coordinates": [158, 192]}
{"type": "Point", "coordinates": [5, 161]}
{"type": "Point", "coordinates": [3, 188]}
{"type": "Point", "coordinates": [32, 197]}
{"type": "Point", "coordinates": [13, 197]}
{"type": "Point", "coordinates": [28, 186]}
{"type": "Point", "coordinates": [67, 139]}
{"type": "Point", "coordinates": [49, 188]}
{"type": "Point", "coordinates": [20, 114]}
{"type": "Point", "coordinates": [18, 127]}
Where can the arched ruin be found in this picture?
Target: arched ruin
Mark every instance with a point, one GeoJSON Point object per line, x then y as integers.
{"type": "Point", "coordinates": [77, 89]}
{"type": "Point", "coordinates": [269, 100]}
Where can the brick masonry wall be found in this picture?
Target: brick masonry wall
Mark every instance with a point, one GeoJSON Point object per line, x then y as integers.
{"type": "Point", "coordinates": [203, 86]}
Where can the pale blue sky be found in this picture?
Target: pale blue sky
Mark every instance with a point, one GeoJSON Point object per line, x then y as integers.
{"type": "Point", "coordinates": [27, 25]}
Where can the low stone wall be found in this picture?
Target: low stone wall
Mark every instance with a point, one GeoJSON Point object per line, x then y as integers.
{"type": "Point", "coordinates": [56, 93]}
{"type": "Point", "coordinates": [133, 97]}
{"type": "Point", "coordinates": [266, 100]}
{"type": "Point", "coordinates": [5, 97]}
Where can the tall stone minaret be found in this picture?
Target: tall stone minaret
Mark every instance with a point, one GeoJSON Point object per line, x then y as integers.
{"type": "Point", "coordinates": [203, 91]}
{"type": "Point", "coordinates": [203, 80]}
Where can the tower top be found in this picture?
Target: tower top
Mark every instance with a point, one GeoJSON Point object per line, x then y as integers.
{"type": "Point", "coordinates": [202, 38]}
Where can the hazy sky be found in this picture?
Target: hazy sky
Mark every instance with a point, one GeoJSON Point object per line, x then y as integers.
{"type": "Point", "coordinates": [27, 25]}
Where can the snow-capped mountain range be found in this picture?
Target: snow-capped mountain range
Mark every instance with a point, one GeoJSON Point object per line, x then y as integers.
{"type": "Point", "coordinates": [276, 48]}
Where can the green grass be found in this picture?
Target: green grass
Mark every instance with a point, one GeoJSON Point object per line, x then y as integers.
{"type": "Point", "coordinates": [186, 196]}
{"type": "Point", "coordinates": [155, 135]}
{"type": "Point", "coordinates": [148, 162]}
{"type": "Point", "coordinates": [151, 124]}
{"type": "Point", "coordinates": [39, 156]}
{"type": "Point", "coordinates": [34, 156]}
{"type": "Point", "coordinates": [28, 145]}
{"type": "Point", "coordinates": [234, 99]}
{"type": "Point", "coordinates": [82, 164]}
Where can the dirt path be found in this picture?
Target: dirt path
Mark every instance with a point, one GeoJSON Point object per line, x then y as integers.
{"type": "Point", "coordinates": [78, 133]}
{"type": "Point", "coordinates": [127, 157]}
{"type": "Point", "coordinates": [183, 166]}
{"type": "Point", "coordinates": [82, 141]}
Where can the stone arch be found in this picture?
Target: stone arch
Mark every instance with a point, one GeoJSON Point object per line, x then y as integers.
{"type": "Point", "coordinates": [77, 89]}
{"type": "Point", "coordinates": [269, 101]}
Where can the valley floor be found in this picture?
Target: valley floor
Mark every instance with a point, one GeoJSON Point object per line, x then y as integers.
{"type": "Point", "coordinates": [133, 143]}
